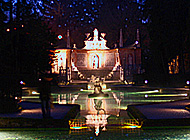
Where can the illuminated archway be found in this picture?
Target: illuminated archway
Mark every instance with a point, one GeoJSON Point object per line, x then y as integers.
{"type": "Point", "coordinates": [95, 61]}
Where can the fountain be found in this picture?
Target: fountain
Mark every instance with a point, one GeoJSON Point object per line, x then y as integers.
{"type": "Point", "coordinates": [98, 93]}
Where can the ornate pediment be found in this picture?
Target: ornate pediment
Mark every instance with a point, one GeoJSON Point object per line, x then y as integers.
{"type": "Point", "coordinates": [95, 42]}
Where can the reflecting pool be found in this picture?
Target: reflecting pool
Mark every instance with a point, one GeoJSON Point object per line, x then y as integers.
{"type": "Point", "coordinates": [107, 118]}
{"type": "Point", "coordinates": [118, 100]}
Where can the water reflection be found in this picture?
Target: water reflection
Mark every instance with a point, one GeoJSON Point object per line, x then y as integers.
{"type": "Point", "coordinates": [97, 112]}
{"type": "Point", "coordinates": [105, 122]}
{"type": "Point", "coordinates": [97, 123]}
{"type": "Point", "coordinates": [120, 99]}
{"type": "Point", "coordinates": [99, 115]}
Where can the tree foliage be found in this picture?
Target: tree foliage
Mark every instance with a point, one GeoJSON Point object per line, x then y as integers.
{"type": "Point", "coordinates": [83, 16]}
{"type": "Point", "coordinates": [73, 15]}
{"type": "Point", "coordinates": [26, 43]}
{"type": "Point", "coordinates": [116, 15]}
{"type": "Point", "coordinates": [167, 28]}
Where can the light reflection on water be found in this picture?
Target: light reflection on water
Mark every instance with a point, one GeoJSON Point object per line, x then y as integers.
{"type": "Point", "coordinates": [121, 99]}
{"type": "Point", "coordinates": [155, 134]}
{"type": "Point", "coordinates": [117, 100]}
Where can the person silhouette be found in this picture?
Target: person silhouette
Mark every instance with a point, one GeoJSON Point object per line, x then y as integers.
{"type": "Point", "coordinates": [45, 94]}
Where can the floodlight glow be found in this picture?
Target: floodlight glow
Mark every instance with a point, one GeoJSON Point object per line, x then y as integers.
{"type": "Point", "coordinates": [143, 92]}
{"type": "Point", "coordinates": [125, 82]}
{"type": "Point", "coordinates": [22, 83]}
{"type": "Point", "coordinates": [187, 83]}
{"type": "Point", "coordinates": [78, 127]}
{"type": "Point", "coordinates": [104, 86]}
{"type": "Point", "coordinates": [168, 95]}
{"type": "Point", "coordinates": [89, 87]}
{"type": "Point", "coordinates": [59, 36]}
{"type": "Point", "coordinates": [135, 126]}
{"type": "Point", "coordinates": [30, 97]}
{"type": "Point", "coordinates": [92, 90]}
{"type": "Point", "coordinates": [34, 92]}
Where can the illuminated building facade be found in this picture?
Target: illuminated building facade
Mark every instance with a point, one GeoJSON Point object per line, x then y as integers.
{"type": "Point", "coordinates": [174, 66]}
{"type": "Point", "coordinates": [96, 59]}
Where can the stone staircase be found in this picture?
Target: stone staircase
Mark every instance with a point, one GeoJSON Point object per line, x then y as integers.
{"type": "Point", "coordinates": [106, 74]}
{"type": "Point", "coordinates": [96, 73]}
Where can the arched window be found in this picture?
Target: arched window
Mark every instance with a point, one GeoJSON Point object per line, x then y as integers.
{"type": "Point", "coordinates": [95, 61]}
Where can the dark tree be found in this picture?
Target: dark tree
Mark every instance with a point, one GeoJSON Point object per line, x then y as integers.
{"type": "Point", "coordinates": [186, 50]}
{"type": "Point", "coordinates": [26, 44]}
{"type": "Point", "coordinates": [73, 15]}
{"type": "Point", "coordinates": [167, 27]}
{"type": "Point", "coordinates": [83, 16]}
{"type": "Point", "coordinates": [116, 15]}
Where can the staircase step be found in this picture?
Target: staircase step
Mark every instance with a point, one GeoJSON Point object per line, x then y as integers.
{"type": "Point", "coordinates": [96, 73]}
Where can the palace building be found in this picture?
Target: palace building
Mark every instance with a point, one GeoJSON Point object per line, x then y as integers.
{"type": "Point", "coordinates": [95, 59]}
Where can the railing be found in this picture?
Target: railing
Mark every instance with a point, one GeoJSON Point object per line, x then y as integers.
{"type": "Point", "coordinates": [124, 123]}
{"type": "Point", "coordinates": [77, 124]}
{"type": "Point", "coordinates": [111, 123]}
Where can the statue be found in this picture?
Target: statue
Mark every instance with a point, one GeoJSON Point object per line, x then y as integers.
{"type": "Point", "coordinates": [98, 106]}
{"type": "Point", "coordinates": [98, 93]}
{"type": "Point", "coordinates": [97, 88]}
